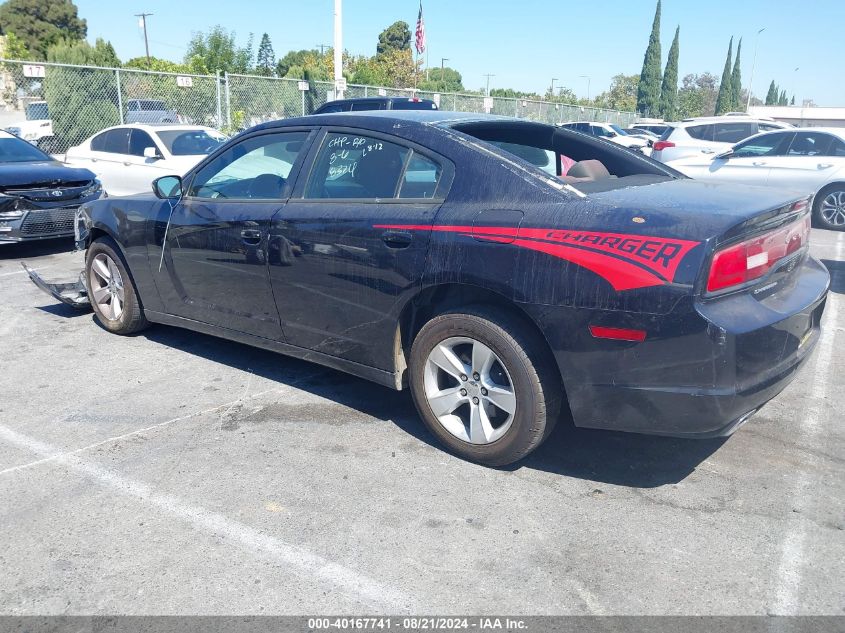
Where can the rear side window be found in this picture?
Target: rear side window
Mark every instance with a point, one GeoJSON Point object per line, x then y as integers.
{"type": "Point", "coordinates": [414, 105]}
{"type": "Point", "coordinates": [356, 166]}
{"type": "Point", "coordinates": [367, 105]}
{"type": "Point", "coordinates": [329, 109]}
{"type": "Point", "coordinates": [421, 178]}
{"type": "Point", "coordinates": [734, 132]}
{"type": "Point", "coordinates": [701, 132]}
{"type": "Point", "coordinates": [98, 143]}
{"type": "Point", "coordinates": [115, 141]}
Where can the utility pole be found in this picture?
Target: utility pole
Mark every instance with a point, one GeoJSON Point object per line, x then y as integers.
{"type": "Point", "coordinates": [488, 83]}
{"type": "Point", "coordinates": [587, 77]}
{"type": "Point", "coordinates": [443, 81]}
{"type": "Point", "coordinates": [552, 91]}
{"type": "Point", "coordinates": [753, 64]}
{"type": "Point", "coordinates": [143, 17]}
{"type": "Point", "coordinates": [322, 47]}
{"type": "Point", "coordinates": [338, 46]}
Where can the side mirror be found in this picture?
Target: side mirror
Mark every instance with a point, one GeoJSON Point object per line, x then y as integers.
{"type": "Point", "coordinates": [167, 187]}
{"type": "Point", "coordinates": [152, 152]}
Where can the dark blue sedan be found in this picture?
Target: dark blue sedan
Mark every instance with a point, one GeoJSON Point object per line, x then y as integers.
{"type": "Point", "coordinates": [508, 272]}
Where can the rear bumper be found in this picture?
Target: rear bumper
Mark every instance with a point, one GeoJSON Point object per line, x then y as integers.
{"type": "Point", "coordinates": [704, 369]}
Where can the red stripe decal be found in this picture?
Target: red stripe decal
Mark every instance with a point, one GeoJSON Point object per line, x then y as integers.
{"type": "Point", "coordinates": [626, 261]}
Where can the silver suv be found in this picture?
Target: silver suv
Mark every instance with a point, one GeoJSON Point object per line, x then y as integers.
{"type": "Point", "coordinates": [708, 135]}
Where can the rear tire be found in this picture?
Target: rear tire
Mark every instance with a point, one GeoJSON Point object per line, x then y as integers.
{"type": "Point", "coordinates": [485, 384]}
{"type": "Point", "coordinates": [110, 289]}
{"type": "Point", "coordinates": [829, 208]}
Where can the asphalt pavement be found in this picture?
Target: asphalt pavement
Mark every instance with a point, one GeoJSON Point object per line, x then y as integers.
{"type": "Point", "coordinates": [176, 473]}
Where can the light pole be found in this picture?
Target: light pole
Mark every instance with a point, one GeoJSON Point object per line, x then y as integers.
{"type": "Point", "coordinates": [488, 83]}
{"type": "Point", "coordinates": [338, 47]}
{"type": "Point", "coordinates": [442, 81]}
{"type": "Point", "coordinates": [552, 89]}
{"type": "Point", "coordinates": [587, 77]}
{"type": "Point", "coordinates": [753, 64]}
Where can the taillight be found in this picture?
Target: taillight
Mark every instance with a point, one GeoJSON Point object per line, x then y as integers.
{"type": "Point", "coordinates": [661, 145]}
{"type": "Point", "coordinates": [753, 258]}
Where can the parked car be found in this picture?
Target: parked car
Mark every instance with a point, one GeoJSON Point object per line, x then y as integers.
{"type": "Point", "coordinates": [607, 131]}
{"type": "Point", "coordinates": [127, 158]}
{"type": "Point", "coordinates": [36, 127]}
{"type": "Point", "coordinates": [652, 126]}
{"type": "Point", "coordinates": [709, 135]}
{"type": "Point", "coordinates": [39, 196]}
{"type": "Point", "coordinates": [150, 111]}
{"type": "Point", "coordinates": [409, 249]}
{"type": "Point", "coordinates": [641, 132]}
{"type": "Point", "coordinates": [376, 103]}
{"type": "Point", "coordinates": [809, 160]}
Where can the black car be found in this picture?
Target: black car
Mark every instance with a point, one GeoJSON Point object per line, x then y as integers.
{"type": "Point", "coordinates": [39, 196]}
{"type": "Point", "coordinates": [447, 253]}
{"type": "Point", "coordinates": [376, 103]}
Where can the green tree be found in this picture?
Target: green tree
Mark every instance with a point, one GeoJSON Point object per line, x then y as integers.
{"type": "Point", "coordinates": [81, 100]}
{"type": "Point", "coordinates": [157, 64]}
{"type": "Point", "coordinates": [648, 89]}
{"type": "Point", "coordinates": [669, 91]}
{"type": "Point", "coordinates": [793, 100]}
{"type": "Point", "coordinates": [396, 37]}
{"type": "Point", "coordinates": [736, 82]}
{"type": "Point", "coordinates": [450, 81]}
{"type": "Point", "coordinates": [782, 100]}
{"type": "Point", "coordinates": [622, 94]}
{"type": "Point", "coordinates": [265, 63]}
{"type": "Point", "coordinates": [724, 101]}
{"type": "Point", "coordinates": [772, 95]}
{"type": "Point", "coordinates": [218, 50]}
{"type": "Point", "coordinates": [41, 23]}
{"type": "Point", "coordinates": [697, 96]}
{"type": "Point", "coordinates": [13, 47]}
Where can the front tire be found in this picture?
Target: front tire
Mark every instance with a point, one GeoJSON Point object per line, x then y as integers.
{"type": "Point", "coordinates": [829, 208]}
{"type": "Point", "coordinates": [484, 384]}
{"type": "Point", "coordinates": [110, 289]}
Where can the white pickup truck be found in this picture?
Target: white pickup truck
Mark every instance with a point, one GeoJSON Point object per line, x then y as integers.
{"type": "Point", "coordinates": [36, 127]}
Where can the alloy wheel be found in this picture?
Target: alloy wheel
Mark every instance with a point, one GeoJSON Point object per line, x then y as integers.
{"type": "Point", "coordinates": [106, 287]}
{"type": "Point", "coordinates": [469, 390]}
{"type": "Point", "coordinates": [833, 208]}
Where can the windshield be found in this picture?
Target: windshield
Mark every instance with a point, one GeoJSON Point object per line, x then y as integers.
{"type": "Point", "coordinates": [190, 142]}
{"type": "Point", "coordinates": [14, 150]}
{"type": "Point", "coordinates": [618, 130]}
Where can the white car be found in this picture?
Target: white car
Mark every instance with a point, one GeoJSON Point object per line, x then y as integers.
{"type": "Point", "coordinates": [708, 135]}
{"type": "Point", "coordinates": [127, 158]}
{"type": "Point", "coordinates": [810, 160]}
{"type": "Point", "coordinates": [609, 132]}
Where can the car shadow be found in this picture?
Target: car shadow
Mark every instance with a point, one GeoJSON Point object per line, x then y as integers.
{"type": "Point", "coordinates": [39, 248]}
{"type": "Point", "coordinates": [836, 269]}
{"type": "Point", "coordinates": [623, 459]}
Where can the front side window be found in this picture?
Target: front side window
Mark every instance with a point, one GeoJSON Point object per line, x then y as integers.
{"type": "Point", "coordinates": [356, 166]}
{"type": "Point", "coordinates": [139, 140]}
{"type": "Point", "coordinates": [190, 142]}
{"type": "Point", "coordinates": [837, 148]}
{"type": "Point", "coordinates": [766, 145]}
{"type": "Point", "coordinates": [257, 168]}
{"type": "Point", "coordinates": [810, 144]}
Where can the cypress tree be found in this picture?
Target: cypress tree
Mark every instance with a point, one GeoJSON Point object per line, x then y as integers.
{"type": "Point", "coordinates": [648, 90]}
{"type": "Point", "coordinates": [736, 81]}
{"type": "Point", "coordinates": [782, 100]}
{"type": "Point", "coordinates": [669, 91]}
{"type": "Point", "coordinates": [772, 95]}
{"type": "Point", "coordinates": [266, 60]}
{"type": "Point", "coordinates": [725, 99]}
{"type": "Point", "coordinates": [793, 100]}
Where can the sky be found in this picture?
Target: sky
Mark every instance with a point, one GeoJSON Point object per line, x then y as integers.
{"type": "Point", "coordinates": [524, 43]}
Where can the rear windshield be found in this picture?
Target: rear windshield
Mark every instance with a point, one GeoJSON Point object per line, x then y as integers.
{"type": "Point", "coordinates": [14, 150]}
{"type": "Point", "coordinates": [152, 106]}
{"type": "Point", "coordinates": [414, 105]}
{"type": "Point", "coordinates": [190, 142]}
{"type": "Point", "coordinates": [666, 133]}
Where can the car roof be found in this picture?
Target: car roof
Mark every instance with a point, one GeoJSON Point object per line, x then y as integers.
{"type": "Point", "coordinates": [385, 119]}
{"type": "Point", "coordinates": [147, 127]}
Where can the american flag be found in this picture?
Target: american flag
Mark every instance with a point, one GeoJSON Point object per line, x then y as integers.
{"type": "Point", "coordinates": [420, 43]}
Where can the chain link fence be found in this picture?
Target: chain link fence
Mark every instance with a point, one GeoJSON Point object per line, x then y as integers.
{"type": "Point", "coordinates": [58, 105]}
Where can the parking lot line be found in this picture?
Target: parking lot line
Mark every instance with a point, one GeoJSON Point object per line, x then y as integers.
{"type": "Point", "coordinates": [791, 564]}
{"type": "Point", "coordinates": [374, 593]}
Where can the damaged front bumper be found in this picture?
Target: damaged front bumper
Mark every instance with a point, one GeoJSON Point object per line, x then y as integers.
{"type": "Point", "coordinates": [74, 294]}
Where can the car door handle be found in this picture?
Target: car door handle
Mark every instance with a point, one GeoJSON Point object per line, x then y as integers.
{"type": "Point", "coordinates": [93, 160]}
{"type": "Point", "coordinates": [397, 239]}
{"type": "Point", "coordinates": [126, 163]}
{"type": "Point", "coordinates": [708, 151]}
{"type": "Point", "coordinates": [825, 165]}
{"type": "Point", "coordinates": [251, 236]}
{"type": "Point", "coordinates": [759, 163]}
